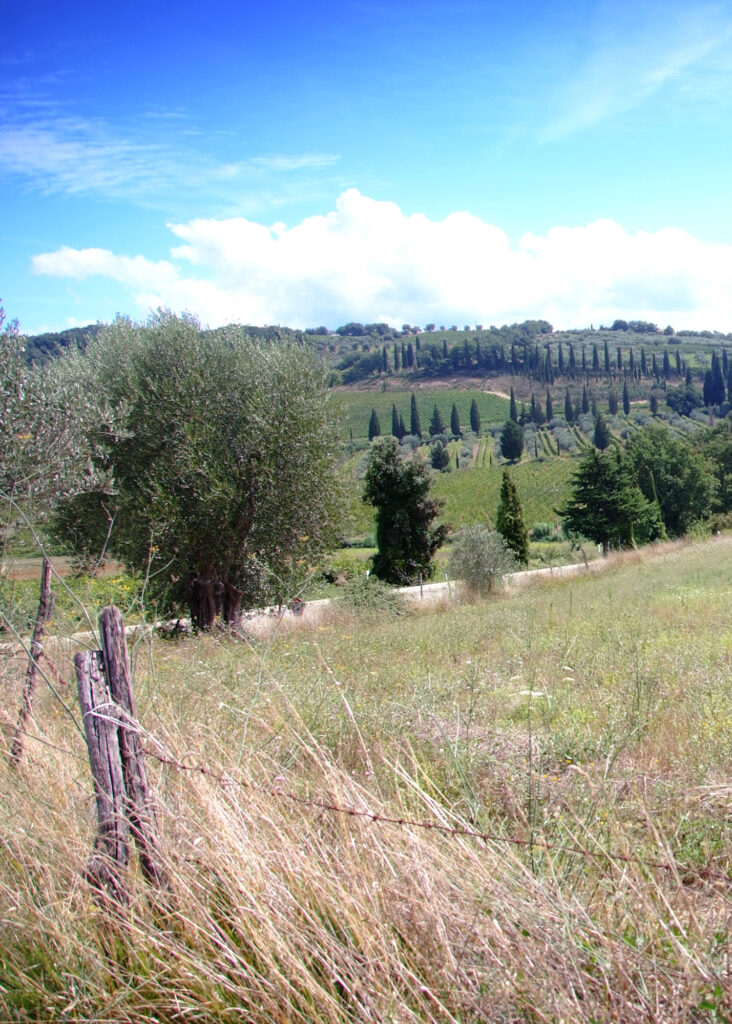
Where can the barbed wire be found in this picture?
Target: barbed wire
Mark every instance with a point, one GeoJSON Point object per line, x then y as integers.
{"type": "Point", "coordinates": [401, 822]}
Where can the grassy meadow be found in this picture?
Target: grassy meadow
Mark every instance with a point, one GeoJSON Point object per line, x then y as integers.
{"type": "Point", "coordinates": [583, 729]}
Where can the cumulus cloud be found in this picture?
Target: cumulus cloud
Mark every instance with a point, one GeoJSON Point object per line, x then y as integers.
{"type": "Point", "coordinates": [367, 260]}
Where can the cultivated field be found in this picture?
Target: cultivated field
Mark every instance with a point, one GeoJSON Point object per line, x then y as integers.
{"type": "Point", "coordinates": [516, 810]}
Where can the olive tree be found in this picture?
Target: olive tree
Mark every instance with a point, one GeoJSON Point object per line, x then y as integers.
{"type": "Point", "coordinates": [480, 558]}
{"type": "Point", "coordinates": [43, 410]}
{"type": "Point", "coordinates": [214, 463]}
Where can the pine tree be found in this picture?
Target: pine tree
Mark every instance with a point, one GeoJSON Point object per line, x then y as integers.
{"type": "Point", "coordinates": [437, 424]}
{"type": "Point", "coordinates": [607, 506]}
{"type": "Point", "coordinates": [374, 425]}
{"type": "Point", "coordinates": [474, 417]}
{"type": "Point", "coordinates": [513, 414]}
{"type": "Point", "coordinates": [455, 422]}
{"type": "Point", "coordinates": [415, 426]}
{"type": "Point", "coordinates": [510, 520]}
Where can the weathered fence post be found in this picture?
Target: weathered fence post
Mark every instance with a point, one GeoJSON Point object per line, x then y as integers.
{"type": "Point", "coordinates": [107, 867]}
{"type": "Point", "coordinates": [124, 802]}
{"type": "Point", "coordinates": [45, 609]}
{"type": "Point", "coordinates": [140, 806]}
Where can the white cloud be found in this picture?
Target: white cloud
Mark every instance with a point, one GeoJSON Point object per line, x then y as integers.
{"type": "Point", "coordinates": [368, 261]}
{"type": "Point", "coordinates": [636, 57]}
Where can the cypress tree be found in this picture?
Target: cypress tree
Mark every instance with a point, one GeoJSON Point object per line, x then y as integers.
{"type": "Point", "coordinates": [513, 414]}
{"type": "Point", "coordinates": [510, 520]}
{"type": "Point", "coordinates": [455, 422]}
{"type": "Point", "coordinates": [626, 398]}
{"type": "Point", "coordinates": [620, 358]}
{"type": "Point", "coordinates": [402, 427]}
{"type": "Point", "coordinates": [444, 348]}
{"type": "Point", "coordinates": [415, 427]}
{"type": "Point", "coordinates": [679, 369]}
{"type": "Point", "coordinates": [397, 363]}
{"type": "Point", "coordinates": [474, 417]}
{"type": "Point", "coordinates": [374, 425]}
{"type": "Point", "coordinates": [585, 399]}
{"type": "Point", "coordinates": [437, 424]}
{"type": "Point", "coordinates": [384, 359]}
{"type": "Point", "coordinates": [666, 364]}
{"type": "Point", "coordinates": [568, 409]}
{"type": "Point", "coordinates": [644, 364]}
{"type": "Point", "coordinates": [394, 421]}
{"type": "Point", "coordinates": [560, 359]}
{"type": "Point", "coordinates": [612, 401]}
{"type": "Point", "coordinates": [607, 357]}
{"type": "Point", "coordinates": [654, 403]}
{"type": "Point", "coordinates": [595, 359]}
{"type": "Point", "coordinates": [512, 441]}
{"type": "Point", "coordinates": [410, 355]}
{"type": "Point", "coordinates": [549, 407]}
{"type": "Point", "coordinates": [602, 433]}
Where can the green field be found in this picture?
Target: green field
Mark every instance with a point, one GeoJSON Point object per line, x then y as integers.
{"type": "Point", "coordinates": [515, 810]}
{"type": "Point", "coordinates": [357, 406]}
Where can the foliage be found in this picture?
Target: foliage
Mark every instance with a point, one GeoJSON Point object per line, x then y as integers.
{"type": "Point", "coordinates": [43, 411]}
{"type": "Point", "coordinates": [475, 418]}
{"type": "Point", "coordinates": [602, 435]}
{"type": "Point", "coordinates": [673, 471]}
{"type": "Point", "coordinates": [368, 594]}
{"type": "Point", "coordinates": [439, 455]}
{"type": "Point", "coordinates": [437, 423]}
{"type": "Point", "coordinates": [213, 498]}
{"type": "Point", "coordinates": [510, 520]}
{"type": "Point", "coordinates": [606, 504]}
{"type": "Point", "coordinates": [512, 440]}
{"type": "Point", "coordinates": [374, 425]}
{"type": "Point", "coordinates": [480, 558]}
{"type": "Point", "coordinates": [405, 535]}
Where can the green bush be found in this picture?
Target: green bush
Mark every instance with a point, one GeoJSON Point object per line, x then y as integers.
{"type": "Point", "coordinates": [369, 594]}
{"type": "Point", "coordinates": [480, 558]}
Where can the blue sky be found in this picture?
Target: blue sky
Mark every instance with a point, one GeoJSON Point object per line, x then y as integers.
{"type": "Point", "coordinates": [461, 162]}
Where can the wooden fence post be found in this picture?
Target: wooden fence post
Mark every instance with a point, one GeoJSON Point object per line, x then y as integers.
{"type": "Point", "coordinates": [107, 867]}
{"type": "Point", "coordinates": [140, 806]}
{"type": "Point", "coordinates": [124, 801]}
{"type": "Point", "coordinates": [45, 609]}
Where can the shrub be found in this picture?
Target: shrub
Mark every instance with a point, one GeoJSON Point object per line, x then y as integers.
{"type": "Point", "coordinates": [542, 531]}
{"type": "Point", "coordinates": [480, 558]}
{"type": "Point", "coordinates": [369, 594]}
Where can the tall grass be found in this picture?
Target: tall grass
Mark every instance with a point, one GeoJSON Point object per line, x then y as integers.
{"type": "Point", "coordinates": [585, 728]}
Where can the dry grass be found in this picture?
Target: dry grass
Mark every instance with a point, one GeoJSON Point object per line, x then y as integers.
{"type": "Point", "coordinates": [592, 715]}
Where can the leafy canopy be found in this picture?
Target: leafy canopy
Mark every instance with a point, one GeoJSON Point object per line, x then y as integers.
{"type": "Point", "coordinates": [214, 462]}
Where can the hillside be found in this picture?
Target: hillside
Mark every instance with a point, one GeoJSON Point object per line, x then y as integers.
{"type": "Point", "coordinates": [515, 809]}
